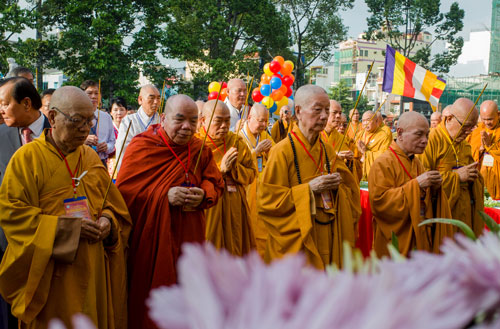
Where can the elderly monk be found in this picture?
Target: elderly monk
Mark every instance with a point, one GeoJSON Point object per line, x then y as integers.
{"type": "Point", "coordinates": [372, 142]}
{"type": "Point", "coordinates": [355, 165]}
{"type": "Point", "coordinates": [342, 124]}
{"type": "Point", "coordinates": [199, 104]}
{"type": "Point", "coordinates": [166, 198]}
{"type": "Point", "coordinates": [403, 194]}
{"type": "Point", "coordinates": [484, 141]}
{"type": "Point", "coordinates": [235, 101]}
{"type": "Point", "coordinates": [228, 222]}
{"type": "Point", "coordinates": [308, 198]}
{"type": "Point", "coordinates": [66, 254]}
{"type": "Point", "coordinates": [449, 152]}
{"type": "Point", "coordinates": [283, 125]}
{"type": "Point", "coordinates": [435, 119]}
{"type": "Point", "coordinates": [383, 126]}
{"type": "Point", "coordinates": [259, 142]}
{"type": "Point", "coordinates": [354, 128]}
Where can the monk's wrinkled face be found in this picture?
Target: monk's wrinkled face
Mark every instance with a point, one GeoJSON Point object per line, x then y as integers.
{"type": "Point", "coordinates": [435, 120]}
{"type": "Point", "coordinates": [355, 116]}
{"type": "Point", "coordinates": [220, 123]}
{"type": "Point", "coordinates": [236, 92]}
{"type": "Point", "coordinates": [455, 121]}
{"type": "Point", "coordinates": [489, 118]}
{"type": "Point", "coordinates": [334, 116]}
{"type": "Point", "coordinates": [93, 93]}
{"type": "Point", "coordinates": [149, 99]}
{"type": "Point", "coordinates": [180, 122]}
{"type": "Point", "coordinates": [342, 126]}
{"type": "Point", "coordinates": [14, 114]}
{"type": "Point", "coordinates": [71, 126]}
{"type": "Point", "coordinates": [257, 122]}
{"type": "Point", "coordinates": [368, 124]}
{"type": "Point", "coordinates": [286, 113]}
{"type": "Point", "coordinates": [313, 116]}
{"type": "Point", "coordinates": [413, 140]}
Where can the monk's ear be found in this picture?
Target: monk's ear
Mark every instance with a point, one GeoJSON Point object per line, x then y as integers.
{"type": "Point", "coordinates": [399, 132]}
{"type": "Point", "coordinates": [52, 117]}
{"type": "Point", "coordinates": [139, 100]}
{"type": "Point", "coordinates": [298, 109]}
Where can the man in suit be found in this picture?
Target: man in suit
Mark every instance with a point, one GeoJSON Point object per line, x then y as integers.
{"type": "Point", "coordinates": [20, 106]}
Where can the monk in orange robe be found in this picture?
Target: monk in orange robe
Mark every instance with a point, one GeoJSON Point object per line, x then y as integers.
{"type": "Point", "coordinates": [308, 198]}
{"type": "Point", "coordinates": [259, 142]}
{"type": "Point", "coordinates": [283, 125]}
{"type": "Point", "coordinates": [449, 152]}
{"type": "Point", "coordinates": [403, 194]}
{"type": "Point", "coordinates": [484, 141]}
{"type": "Point", "coordinates": [372, 142]}
{"type": "Point", "coordinates": [166, 198]}
{"type": "Point", "coordinates": [355, 128]}
{"type": "Point", "coordinates": [66, 246]}
{"type": "Point", "coordinates": [228, 222]}
{"type": "Point", "coordinates": [383, 126]}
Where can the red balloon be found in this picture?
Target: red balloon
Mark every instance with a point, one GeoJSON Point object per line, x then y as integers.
{"type": "Point", "coordinates": [287, 80]}
{"type": "Point", "coordinates": [279, 59]}
{"type": "Point", "coordinates": [224, 85]}
{"type": "Point", "coordinates": [291, 77]}
{"type": "Point", "coordinates": [289, 92]}
{"type": "Point", "coordinates": [275, 66]}
{"type": "Point", "coordinates": [256, 95]}
{"type": "Point", "coordinates": [213, 95]}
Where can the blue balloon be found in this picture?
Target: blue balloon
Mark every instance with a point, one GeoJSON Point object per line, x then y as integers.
{"type": "Point", "coordinates": [265, 90]}
{"type": "Point", "coordinates": [276, 83]}
{"type": "Point", "coordinates": [273, 108]}
{"type": "Point", "coordinates": [291, 97]}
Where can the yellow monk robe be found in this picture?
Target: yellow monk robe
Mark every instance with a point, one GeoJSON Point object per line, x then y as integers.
{"type": "Point", "coordinates": [387, 130]}
{"type": "Point", "coordinates": [228, 223]}
{"type": "Point", "coordinates": [490, 158]}
{"type": "Point", "coordinates": [439, 155]}
{"type": "Point", "coordinates": [376, 144]}
{"type": "Point", "coordinates": [399, 204]}
{"type": "Point", "coordinates": [296, 218]}
{"type": "Point", "coordinates": [354, 129]}
{"type": "Point", "coordinates": [258, 226]}
{"type": "Point", "coordinates": [335, 139]}
{"type": "Point", "coordinates": [47, 271]}
{"type": "Point", "coordinates": [280, 130]}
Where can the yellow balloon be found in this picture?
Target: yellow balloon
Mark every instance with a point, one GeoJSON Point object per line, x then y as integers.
{"type": "Point", "coordinates": [267, 71]}
{"type": "Point", "coordinates": [282, 102]}
{"type": "Point", "coordinates": [290, 63]}
{"type": "Point", "coordinates": [267, 102]}
{"type": "Point", "coordinates": [213, 86]}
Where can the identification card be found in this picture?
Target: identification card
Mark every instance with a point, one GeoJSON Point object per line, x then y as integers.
{"type": "Point", "coordinates": [77, 208]}
{"type": "Point", "coordinates": [230, 185]}
{"type": "Point", "coordinates": [488, 160]}
{"type": "Point", "coordinates": [259, 164]}
{"type": "Point", "coordinates": [327, 200]}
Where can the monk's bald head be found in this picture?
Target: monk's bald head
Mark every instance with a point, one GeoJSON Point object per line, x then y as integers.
{"type": "Point", "coordinates": [70, 100]}
{"type": "Point", "coordinates": [435, 119]}
{"type": "Point", "coordinates": [412, 132]}
{"type": "Point", "coordinates": [455, 121]}
{"type": "Point", "coordinates": [236, 92]}
{"type": "Point", "coordinates": [369, 121]}
{"type": "Point", "coordinates": [342, 125]}
{"type": "Point", "coordinates": [258, 119]}
{"type": "Point", "coordinates": [489, 114]}
{"type": "Point", "coordinates": [181, 118]}
{"type": "Point", "coordinates": [306, 93]}
{"type": "Point", "coordinates": [149, 99]}
{"type": "Point", "coordinates": [221, 120]}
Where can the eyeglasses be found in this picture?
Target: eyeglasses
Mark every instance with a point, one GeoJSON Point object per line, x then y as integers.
{"type": "Point", "coordinates": [78, 122]}
{"type": "Point", "coordinates": [466, 127]}
{"type": "Point", "coordinates": [286, 111]}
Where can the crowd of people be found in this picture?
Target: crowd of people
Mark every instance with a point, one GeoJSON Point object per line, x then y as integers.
{"type": "Point", "coordinates": [72, 242]}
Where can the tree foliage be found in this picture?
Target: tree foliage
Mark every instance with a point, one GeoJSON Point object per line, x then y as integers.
{"type": "Point", "coordinates": [342, 94]}
{"type": "Point", "coordinates": [402, 22]}
{"type": "Point", "coordinates": [316, 29]}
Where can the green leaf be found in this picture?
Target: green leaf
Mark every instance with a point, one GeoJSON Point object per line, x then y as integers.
{"type": "Point", "coordinates": [464, 227]}
{"type": "Point", "coordinates": [394, 241]}
{"type": "Point", "coordinates": [492, 225]}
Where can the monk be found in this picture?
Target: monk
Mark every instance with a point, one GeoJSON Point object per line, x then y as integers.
{"type": "Point", "coordinates": [383, 126]}
{"type": "Point", "coordinates": [65, 253]}
{"type": "Point", "coordinates": [372, 142]}
{"type": "Point", "coordinates": [166, 199]}
{"type": "Point", "coordinates": [308, 199]}
{"type": "Point", "coordinates": [282, 126]}
{"type": "Point", "coordinates": [435, 119]}
{"type": "Point", "coordinates": [342, 124]}
{"type": "Point", "coordinates": [449, 152]}
{"type": "Point", "coordinates": [355, 165]}
{"type": "Point", "coordinates": [484, 141]}
{"type": "Point", "coordinates": [228, 222]}
{"type": "Point", "coordinates": [259, 142]}
{"type": "Point", "coordinates": [403, 194]}
{"type": "Point", "coordinates": [354, 129]}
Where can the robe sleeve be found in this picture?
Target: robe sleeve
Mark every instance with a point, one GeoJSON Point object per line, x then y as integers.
{"type": "Point", "coordinates": [212, 182]}
{"type": "Point", "coordinates": [243, 171]}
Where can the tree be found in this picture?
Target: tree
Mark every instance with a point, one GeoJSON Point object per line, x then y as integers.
{"type": "Point", "coordinates": [316, 29]}
{"type": "Point", "coordinates": [402, 23]}
{"type": "Point", "coordinates": [342, 94]}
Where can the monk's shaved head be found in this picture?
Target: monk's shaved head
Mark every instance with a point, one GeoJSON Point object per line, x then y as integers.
{"type": "Point", "coordinates": [208, 108]}
{"type": "Point", "coordinates": [177, 101]}
{"type": "Point", "coordinates": [181, 118]}
{"type": "Point", "coordinates": [369, 124]}
{"type": "Point", "coordinates": [236, 92]}
{"type": "Point", "coordinates": [312, 109]}
{"type": "Point", "coordinates": [149, 99]}
{"type": "Point", "coordinates": [367, 115]}
{"type": "Point", "coordinates": [148, 89]}
{"type": "Point", "coordinates": [489, 114]}
{"type": "Point", "coordinates": [221, 120]}
{"type": "Point", "coordinates": [258, 109]}
{"type": "Point", "coordinates": [68, 98]}
{"type": "Point", "coordinates": [462, 106]}
{"type": "Point", "coordinates": [456, 117]}
{"type": "Point", "coordinates": [335, 105]}
{"type": "Point", "coordinates": [412, 119]}
{"type": "Point", "coordinates": [258, 119]}
{"type": "Point", "coordinates": [305, 94]}
{"type": "Point", "coordinates": [412, 133]}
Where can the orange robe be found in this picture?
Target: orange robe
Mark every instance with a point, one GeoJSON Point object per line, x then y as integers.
{"type": "Point", "coordinates": [279, 131]}
{"type": "Point", "coordinates": [354, 129]}
{"type": "Point", "coordinates": [354, 165]}
{"type": "Point", "coordinates": [149, 169]}
{"type": "Point", "coordinates": [399, 204]}
{"type": "Point", "coordinates": [258, 227]}
{"type": "Point", "coordinates": [465, 199]}
{"type": "Point", "coordinates": [376, 143]}
{"type": "Point", "coordinates": [387, 130]}
{"type": "Point", "coordinates": [491, 174]}
{"type": "Point", "coordinates": [228, 222]}
{"type": "Point", "coordinates": [295, 217]}
{"type": "Point", "coordinates": [47, 271]}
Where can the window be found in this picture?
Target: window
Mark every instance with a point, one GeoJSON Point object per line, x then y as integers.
{"type": "Point", "coordinates": [366, 53]}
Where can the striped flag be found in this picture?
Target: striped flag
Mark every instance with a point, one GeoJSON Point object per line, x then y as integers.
{"type": "Point", "coordinates": [404, 77]}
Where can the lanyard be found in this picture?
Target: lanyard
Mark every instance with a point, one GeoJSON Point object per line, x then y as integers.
{"type": "Point", "coordinates": [186, 168]}
{"type": "Point", "coordinates": [318, 167]}
{"type": "Point", "coordinates": [72, 174]}
{"type": "Point", "coordinates": [150, 121]}
{"type": "Point", "coordinates": [248, 139]}
{"type": "Point", "coordinates": [451, 143]}
{"type": "Point", "coordinates": [214, 143]}
{"type": "Point", "coordinates": [400, 162]}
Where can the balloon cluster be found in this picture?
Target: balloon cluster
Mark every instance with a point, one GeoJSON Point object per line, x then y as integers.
{"type": "Point", "coordinates": [275, 88]}
{"type": "Point", "coordinates": [213, 90]}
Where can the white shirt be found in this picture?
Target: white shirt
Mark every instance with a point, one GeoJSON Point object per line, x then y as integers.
{"type": "Point", "coordinates": [236, 114]}
{"type": "Point", "coordinates": [140, 123]}
{"type": "Point", "coordinates": [105, 132]}
{"type": "Point", "coordinates": [36, 128]}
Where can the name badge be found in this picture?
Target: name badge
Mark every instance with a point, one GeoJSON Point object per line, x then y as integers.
{"type": "Point", "coordinates": [230, 185]}
{"type": "Point", "coordinates": [77, 208]}
{"type": "Point", "coordinates": [259, 164]}
{"type": "Point", "coordinates": [488, 160]}
{"type": "Point", "coordinates": [327, 200]}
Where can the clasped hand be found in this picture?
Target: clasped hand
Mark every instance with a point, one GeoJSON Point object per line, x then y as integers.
{"type": "Point", "coordinates": [95, 231]}
{"type": "Point", "coordinates": [185, 196]}
{"type": "Point", "coordinates": [325, 182]}
{"type": "Point", "coordinates": [430, 178]}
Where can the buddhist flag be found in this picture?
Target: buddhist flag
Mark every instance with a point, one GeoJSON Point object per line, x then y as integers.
{"type": "Point", "coordinates": [405, 78]}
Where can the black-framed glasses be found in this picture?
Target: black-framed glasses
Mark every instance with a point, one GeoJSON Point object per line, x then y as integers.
{"type": "Point", "coordinates": [78, 122]}
{"type": "Point", "coordinates": [465, 127]}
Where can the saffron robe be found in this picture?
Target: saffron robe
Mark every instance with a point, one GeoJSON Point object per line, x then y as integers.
{"type": "Point", "coordinates": [376, 143]}
{"type": "Point", "coordinates": [491, 174]}
{"type": "Point", "coordinates": [280, 130]}
{"type": "Point", "coordinates": [387, 130]}
{"type": "Point", "coordinates": [354, 129]}
{"type": "Point", "coordinates": [292, 212]}
{"type": "Point", "coordinates": [354, 165]}
{"type": "Point", "coordinates": [47, 271]}
{"type": "Point", "coordinates": [149, 169]}
{"type": "Point", "coordinates": [228, 222]}
{"type": "Point", "coordinates": [258, 227]}
{"type": "Point", "coordinates": [465, 199]}
{"type": "Point", "coordinates": [399, 205]}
